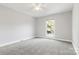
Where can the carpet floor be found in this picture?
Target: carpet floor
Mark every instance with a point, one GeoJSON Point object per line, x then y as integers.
{"type": "Point", "coordinates": [38, 46]}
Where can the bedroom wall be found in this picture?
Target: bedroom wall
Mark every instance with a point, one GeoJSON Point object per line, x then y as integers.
{"type": "Point", "coordinates": [63, 25]}
{"type": "Point", "coordinates": [14, 26]}
{"type": "Point", "coordinates": [75, 27]}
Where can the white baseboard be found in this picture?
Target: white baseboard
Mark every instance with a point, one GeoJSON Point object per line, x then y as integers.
{"type": "Point", "coordinates": [64, 40]}
{"type": "Point", "coordinates": [8, 43]}
{"type": "Point", "coordinates": [56, 39]}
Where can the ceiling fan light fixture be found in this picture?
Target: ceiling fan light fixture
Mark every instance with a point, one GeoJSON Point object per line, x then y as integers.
{"type": "Point", "coordinates": [37, 7]}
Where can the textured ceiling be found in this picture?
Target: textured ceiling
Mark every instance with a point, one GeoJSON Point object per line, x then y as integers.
{"type": "Point", "coordinates": [48, 8]}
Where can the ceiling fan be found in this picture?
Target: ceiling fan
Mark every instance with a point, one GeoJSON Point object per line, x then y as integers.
{"type": "Point", "coordinates": [38, 6]}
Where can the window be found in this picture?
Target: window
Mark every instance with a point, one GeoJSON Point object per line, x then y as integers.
{"type": "Point", "coordinates": [50, 28]}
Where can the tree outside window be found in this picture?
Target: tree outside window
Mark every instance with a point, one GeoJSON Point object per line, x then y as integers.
{"type": "Point", "coordinates": [50, 27]}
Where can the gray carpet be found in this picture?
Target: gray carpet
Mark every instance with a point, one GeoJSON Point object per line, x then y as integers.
{"type": "Point", "coordinates": [38, 46]}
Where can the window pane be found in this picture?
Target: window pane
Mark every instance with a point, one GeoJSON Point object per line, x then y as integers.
{"type": "Point", "coordinates": [50, 27]}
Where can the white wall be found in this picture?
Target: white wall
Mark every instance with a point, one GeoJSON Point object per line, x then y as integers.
{"type": "Point", "coordinates": [63, 25]}
{"type": "Point", "coordinates": [75, 24]}
{"type": "Point", "coordinates": [14, 26]}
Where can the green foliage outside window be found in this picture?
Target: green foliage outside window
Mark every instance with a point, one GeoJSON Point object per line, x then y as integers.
{"type": "Point", "coordinates": [50, 26]}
